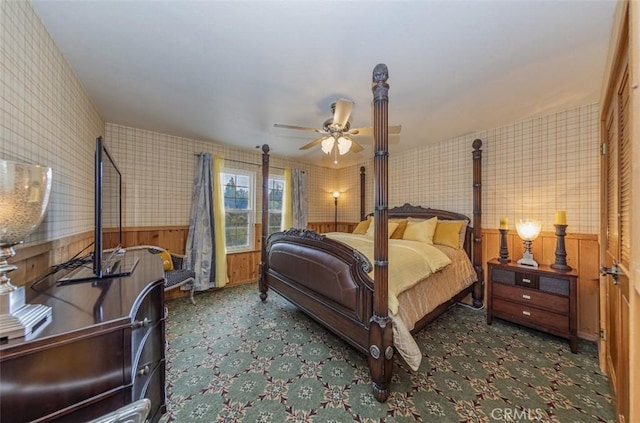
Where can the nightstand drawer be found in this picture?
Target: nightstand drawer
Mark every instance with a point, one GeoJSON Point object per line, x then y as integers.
{"type": "Point", "coordinates": [531, 316]}
{"type": "Point", "coordinates": [503, 276]}
{"type": "Point", "coordinates": [534, 298]}
{"type": "Point", "coordinates": [554, 285]}
{"type": "Point", "coordinates": [526, 279]}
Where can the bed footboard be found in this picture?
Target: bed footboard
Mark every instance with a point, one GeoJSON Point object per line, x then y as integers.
{"type": "Point", "coordinates": [325, 278]}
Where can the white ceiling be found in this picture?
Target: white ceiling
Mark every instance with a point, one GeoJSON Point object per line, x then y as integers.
{"type": "Point", "coordinates": [226, 71]}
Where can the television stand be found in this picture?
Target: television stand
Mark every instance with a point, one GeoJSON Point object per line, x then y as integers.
{"type": "Point", "coordinates": [121, 266]}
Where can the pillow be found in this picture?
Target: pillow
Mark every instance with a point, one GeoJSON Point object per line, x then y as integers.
{"type": "Point", "coordinates": [391, 227]}
{"type": "Point", "coordinates": [402, 226]}
{"type": "Point", "coordinates": [167, 263]}
{"type": "Point", "coordinates": [448, 233]}
{"type": "Point", "coordinates": [421, 231]}
{"type": "Point", "coordinates": [362, 227]}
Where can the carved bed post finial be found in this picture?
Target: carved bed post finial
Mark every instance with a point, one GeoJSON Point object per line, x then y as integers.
{"type": "Point", "coordinates": [380, 330]}
{"type": "Point", "coordinates": [262, 285]}
{"type": "Point", "coordinates": [478, 290]}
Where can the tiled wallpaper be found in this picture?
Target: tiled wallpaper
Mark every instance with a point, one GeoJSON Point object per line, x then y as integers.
{"type": "Point", "coordinates": [530, 168]}
{"type": "Point", "coordinates": [46, 118]}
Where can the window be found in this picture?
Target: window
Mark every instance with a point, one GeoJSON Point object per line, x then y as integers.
{"type": "Point", "coordinates": [238, 195]}
{"type": "Point", "coordinates": [276, 191]}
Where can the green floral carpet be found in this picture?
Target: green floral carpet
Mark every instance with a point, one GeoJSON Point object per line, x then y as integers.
{"type": "Point", "coordinates": [232, 358]}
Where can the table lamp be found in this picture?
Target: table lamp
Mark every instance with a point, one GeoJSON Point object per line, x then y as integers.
{"type": "Point", "coordinates": [24, 195]}
{"type": "Point", "coordinates": [528, 230]}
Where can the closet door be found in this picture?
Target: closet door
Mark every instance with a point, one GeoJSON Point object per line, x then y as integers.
{"type": "Point", "coordinates": [616, 231]}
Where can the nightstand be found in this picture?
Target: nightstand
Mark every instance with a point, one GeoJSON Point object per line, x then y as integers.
{"type": "Point", "coordinates": [541, 298]}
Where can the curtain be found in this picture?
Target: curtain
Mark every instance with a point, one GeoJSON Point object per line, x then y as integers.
{"type": "Point", "coordinates": [201, 237]}
{"type": "Point", "coordinates": [299, 198]}
{"type": "Point", "coordinates": [221, 276]}
{"type": "Point", "coordinates": [287, 206]}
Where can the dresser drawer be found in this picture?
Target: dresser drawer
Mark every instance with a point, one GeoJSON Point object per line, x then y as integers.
{"type": "Point", "coordinates": [527, 280]}
{"type": "Point", "coordinates": [150, 351]}
{"type": "Point", "coordinates": [503, 276]}
{"type": "Point", "coordinates": [555, 303]}
{"type": "Point", "coordinates": [531, 316]}
{"type": "Point", "coordinates": [149, 310]}
{"type": "Point", "coordinates": [554, 285]}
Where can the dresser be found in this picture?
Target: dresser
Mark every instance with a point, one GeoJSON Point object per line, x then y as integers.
{"type": "Point", "coordinates": [104, 348]}
{"type": "Point", "coordinates": [541, 298]}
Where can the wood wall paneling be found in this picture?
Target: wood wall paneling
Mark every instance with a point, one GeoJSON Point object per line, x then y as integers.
{"type": "Point", "coordinates": [34, 260]}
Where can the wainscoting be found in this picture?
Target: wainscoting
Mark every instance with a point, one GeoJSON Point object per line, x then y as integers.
{"type": "Point", "coordinates": [35, 259]}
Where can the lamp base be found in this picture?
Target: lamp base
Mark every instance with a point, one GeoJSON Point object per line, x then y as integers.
{"type": "Point", "coordinates": [527, 260]}
{"type": "Point", "coordinates": [17, 319]}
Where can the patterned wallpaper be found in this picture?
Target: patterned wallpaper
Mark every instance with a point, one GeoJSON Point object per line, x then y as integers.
{"type": "Point", "coordinates": [46, 118]}
{"type": "Point", "coordinates": [158, 172]}
{"type": "Point", "coordinates": [530, 168]}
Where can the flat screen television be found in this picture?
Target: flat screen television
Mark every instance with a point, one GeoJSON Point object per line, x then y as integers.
{"type": "Point", "coordinates": [107, 223]}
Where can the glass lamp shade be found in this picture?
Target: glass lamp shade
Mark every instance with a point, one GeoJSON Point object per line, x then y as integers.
{"type": "Point", "coordinates": [24, 195]}
{"type": "Point", "coordinates": [344, 145]}
{"type": "Point", "coordinates": [528, 229]}
{"type": "Point", "coordinates": [327, 144]}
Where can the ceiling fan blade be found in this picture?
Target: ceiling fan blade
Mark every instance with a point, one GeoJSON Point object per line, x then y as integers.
{"type": "Point", "coordinates": [302, 128]}
{"type": "Point", "coordinates": [395, 129]}
{"type": "Point", "coordinates": [342, 112]}
{"type": "Point", "coordinates": [361, 131]}
{"type": "Point", "coordinates": [355, 147]}
{"type": "Point", "coordinates": [312, 143]}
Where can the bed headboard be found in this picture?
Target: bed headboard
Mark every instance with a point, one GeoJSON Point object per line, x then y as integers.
{"type": "Point", "coordinates": [419, 212]}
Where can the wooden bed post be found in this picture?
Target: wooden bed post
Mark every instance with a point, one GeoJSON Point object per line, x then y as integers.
{"type": "Point", "coordinates": [478, 289]}
{"type": "Point", "coordinates": [262, 284]}
{"type": "Point", "coordinates": [362, 189]}
{"type": "Point", "coordinates": [380, 332]}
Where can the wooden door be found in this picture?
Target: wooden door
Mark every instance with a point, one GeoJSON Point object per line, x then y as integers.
{"type": "Point", "coordinates": [615, 236]}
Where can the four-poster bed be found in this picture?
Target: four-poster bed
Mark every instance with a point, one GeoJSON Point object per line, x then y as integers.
{"type": "Point", "coordinates": [332, 282]}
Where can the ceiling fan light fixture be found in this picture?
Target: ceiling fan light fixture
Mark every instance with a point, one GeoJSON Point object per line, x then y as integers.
{"type": "Point", "coordinates": [327, 144]}
{"type": "Point", "coordinates": [344, 145]}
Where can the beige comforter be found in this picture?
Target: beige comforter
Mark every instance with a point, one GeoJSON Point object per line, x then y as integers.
{"type": "Point", "coordinates": [415, 299]}
{"type": "Point", "coordinates": [409, 261]}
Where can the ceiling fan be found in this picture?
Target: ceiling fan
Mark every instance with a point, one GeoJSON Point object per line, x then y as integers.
{"type": "Point", "coordinates": [337, 132]}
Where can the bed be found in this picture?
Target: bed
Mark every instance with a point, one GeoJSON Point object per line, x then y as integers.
{"type": "Point", "coordinates": [349, 293]}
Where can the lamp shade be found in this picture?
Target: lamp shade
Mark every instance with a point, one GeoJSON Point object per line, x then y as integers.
{"type": "Point", "coordinates": [327, 144]}
{"type": "Point", "coordinates": [528, 229]}
{"type": "Point", "coordinates": [344, 145]}
{"type": "Point", "coordinates": [24, 195]}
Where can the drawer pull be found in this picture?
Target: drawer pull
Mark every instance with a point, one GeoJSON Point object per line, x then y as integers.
{"type": "Point", "coordinates": [143, 371]}
{"type": "Point", "coordinates": [142, 323]}
{"type": "Point", "coordinates": [526, 297]}
{"type": "Point", "coordinates": [526, 313]}
{"type": "Point", "coordinates": [526, 280]}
